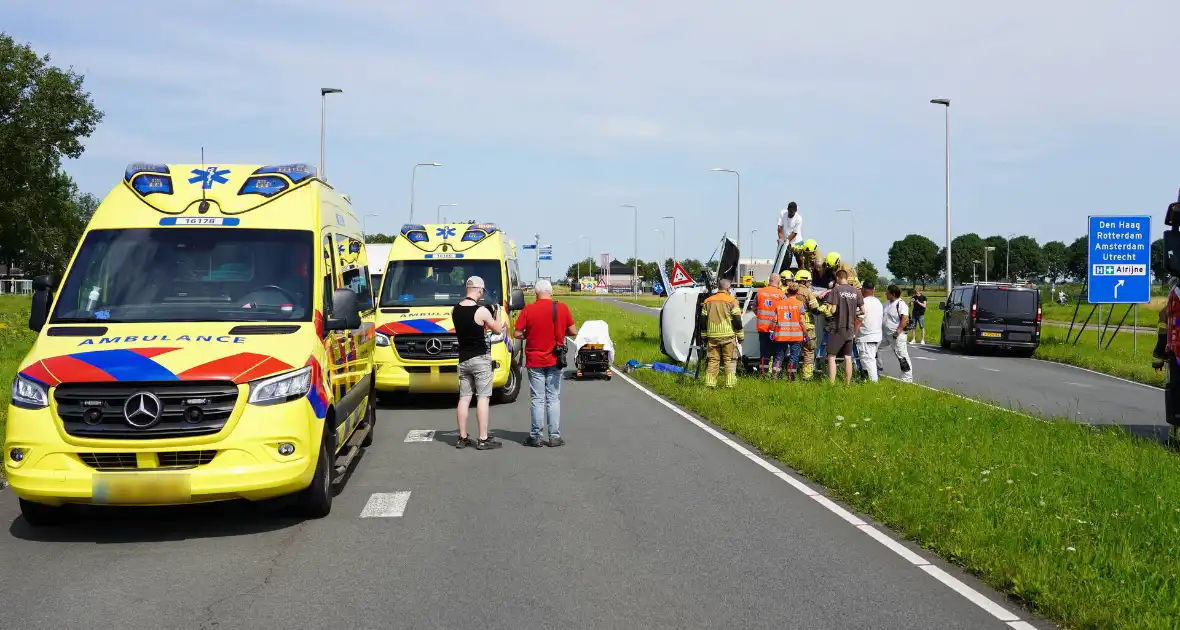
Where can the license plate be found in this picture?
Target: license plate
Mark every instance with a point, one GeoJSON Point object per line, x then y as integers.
{"type": "Point", "coordinates": [134, 488]}
{"type": "Point", "coordinates": [992, 334]}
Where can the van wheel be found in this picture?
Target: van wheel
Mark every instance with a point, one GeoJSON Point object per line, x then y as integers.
{"type": "Point", "coordinates": [943, 340]}
{"type": "Point", "coordinates": [511, 389]}
{"type": "Point", "coordinates": [315, 501]}
{"type": "Point", "coordinates": [370, 417]}
{"type": "Point", "coordinates": [41, 515]}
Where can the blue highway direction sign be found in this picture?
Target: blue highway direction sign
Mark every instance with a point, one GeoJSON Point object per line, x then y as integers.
{"type": "Point", "coordinates": [1119, 261]}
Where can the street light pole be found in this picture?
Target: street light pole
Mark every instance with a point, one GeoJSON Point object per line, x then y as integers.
{"type": "Point", "coordinates": [673, 235]}
{"type": "Point", "coordinates": [853, 216]}
{"type": "Point", "coordinates": [414, 176]}
{"type": "Point", "coordinates": [1008, 260]}
{"type": "Point", "coordinates": [438, 211]}
{"type": "Point", "coordinates": [364, 224]}
{"type": "Point", "coordinates": [752, 233]}
{"type": "Point", "coordinates": [738, 233]}
{"type": "Point", "coordinates": [324, 92]}
{"type": "Point", "coordinates": [635, 260]}
{"type": "Point", "coordinates": [985, 251]}
{"type": "Point", "coordinates": [946, 102]}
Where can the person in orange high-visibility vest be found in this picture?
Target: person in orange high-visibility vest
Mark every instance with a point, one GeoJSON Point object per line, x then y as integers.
{"type": "Point", "coordinates": [787, 334]}
{"type": "Point", "coordinates": [765, 300]}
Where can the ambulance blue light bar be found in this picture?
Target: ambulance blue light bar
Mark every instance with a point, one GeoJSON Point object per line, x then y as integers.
{"type": "Point", "coordinates": [264, 185]}
{"type": "Point", "coordinates": [149, 184]}
{"type": "Point", "coordinates": [294, 172]}
{"type": "Point", "coordinates": [415, 233]}
{"type": "Point", "coordinates": [136, 168]}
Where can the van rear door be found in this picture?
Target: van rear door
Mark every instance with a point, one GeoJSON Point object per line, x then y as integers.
{"type": "Point", "coordinates": [1006, 314]}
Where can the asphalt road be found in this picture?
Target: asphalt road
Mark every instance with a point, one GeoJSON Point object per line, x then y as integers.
{"type": "Point", "coordinates": [1036, 387]}
{"type": "Point", "coordinates": [643, 519]}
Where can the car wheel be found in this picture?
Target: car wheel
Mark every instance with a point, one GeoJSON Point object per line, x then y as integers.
{"type": "Point", "coordinates": [511, 389]}
{"type": "Point", "coordinates": [315, 501]}
{"type": "Point", "coordinates": [41, 515]}
{"type": "Point", "coordinates": [943, 340]}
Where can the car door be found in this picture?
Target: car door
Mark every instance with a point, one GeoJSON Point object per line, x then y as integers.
{"type": "Point", "coordinates": [356, 345]}
{"type": "Point", "coordinates": [334, 342]}
{"type": "Point", "coordinates": [950, 317]}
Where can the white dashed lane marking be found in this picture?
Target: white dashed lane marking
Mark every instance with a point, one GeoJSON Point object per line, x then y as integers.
{"type": "Point", "coordinates": [420, 435]}
{"type": "Point", "coordinates": [1076, 384]}
{"type": "Point", "coordinates": [386, 505]}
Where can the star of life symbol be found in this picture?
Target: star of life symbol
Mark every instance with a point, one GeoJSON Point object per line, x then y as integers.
{"type": "Point", "coordinates": [445, 232]}
{"type": "Point", "coordinates": [208, 176]}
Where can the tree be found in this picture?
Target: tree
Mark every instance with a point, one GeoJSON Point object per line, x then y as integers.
{"type": "Point", "coordinates": [995, 258]}
{"type": "Point", "coordinates": [1077, 258]}
{"type": "Point", "coordinates": [1157, 261]}
{"type": "Point", "coordinates": [965, 249]}
{"type": "Point", "coordinates": [44, 115]}
{"type": "Point", "coordinates": [378, 238]}
{"type": "Point", "coordinates": [866, 271]}
{"type": "Point", "coordinates": [1027, 260]}
{"type": "Point", "coordinates": [1056, 258]}
{"type": "Point", "coordinates": [913, 259]}
{"type": "Point", "coordinates": [586, 266]}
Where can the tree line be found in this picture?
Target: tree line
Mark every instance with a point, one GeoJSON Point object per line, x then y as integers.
{"type": "Point", "coordinates": [917, 260]}
{"type": "Point", "coordinates": [45, 113]}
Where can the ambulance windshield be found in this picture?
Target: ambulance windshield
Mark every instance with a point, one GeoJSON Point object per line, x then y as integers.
{"type": "Point", "coordinates": [438, 282]}
{"type": "Point", "coordinates": [189, 275]}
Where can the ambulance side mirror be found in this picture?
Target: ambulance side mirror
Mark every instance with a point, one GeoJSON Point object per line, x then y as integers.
{"type": "Point", "coordinates": [346, 311]}
{"type": "Point", "coordinates": [42, 298]}
{"type": "Point", "coordinates": [1172, 252]}
{"type": "Point", "coordinates": [516, 303]}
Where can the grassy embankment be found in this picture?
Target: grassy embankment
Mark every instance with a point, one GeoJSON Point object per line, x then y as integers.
{"type": "Point", "coordinates": [1082, 524]}
{"type": "Point", "coordinates": [1121, 359]}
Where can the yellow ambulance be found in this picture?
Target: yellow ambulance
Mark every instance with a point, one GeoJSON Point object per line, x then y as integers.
{"type": "Point", "coordinates": [212, 339]}
{"type": "Point", "coordinates": [425, 277]}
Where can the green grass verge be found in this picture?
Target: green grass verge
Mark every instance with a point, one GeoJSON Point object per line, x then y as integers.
{"type": "Point", "coordinates": [1082, 524]}
{"type": "Point", "coordinates": [15, 339]}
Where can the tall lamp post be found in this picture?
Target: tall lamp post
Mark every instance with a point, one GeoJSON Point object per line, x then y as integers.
{"type": "Point", "coordinates": [946, 102]}
{"type": "Point", "coordinates": [852, 215]}
{"type": "Point", "coordinates": [1008, 260]}
{"type": "Point", "coordinates": [738, 233]}
{"type": "Point", "coordinates": [324, 92]}
{"type": "Point", "coordinates": [985, 251]}
{"type": "Point", "coordinates": [364, 226]}
{"type": "Point", "coordinates": [635, 260]}
{"type": "Point", "coordinates": [438, 211]}
{"type": "Point", "coordinates": [414, 176]}
{"type": "Point", "coordinates": [975, 271]}
{"type": "Point", "coordinates": [751, 259]}
{"type": "Point", "coordinates": [673, 236]}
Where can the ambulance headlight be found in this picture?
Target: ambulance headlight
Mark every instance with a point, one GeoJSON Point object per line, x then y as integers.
{"type": "Point", "coordinates": [382, 340]}
{"type": "Point", "coordinates": [29, 394]}
{"type": "Point", "coordinates": [281, 388]}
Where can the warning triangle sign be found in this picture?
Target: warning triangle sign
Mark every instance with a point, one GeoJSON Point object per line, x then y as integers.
{"type": "Point", "coordinates": [679, 276]}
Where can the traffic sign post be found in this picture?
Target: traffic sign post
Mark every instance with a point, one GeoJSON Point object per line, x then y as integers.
{"type": "Point", "coordinates": [1119, 260]}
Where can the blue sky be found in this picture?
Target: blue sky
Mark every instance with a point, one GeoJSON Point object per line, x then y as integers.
{"type": "Point", "coordinates": [547, 115]}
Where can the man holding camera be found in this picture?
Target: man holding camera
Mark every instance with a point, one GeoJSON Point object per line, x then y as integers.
{"type": "Point", "coordinates": [543, 325]}
{"type": "Point", "coordinates": [475, 362]}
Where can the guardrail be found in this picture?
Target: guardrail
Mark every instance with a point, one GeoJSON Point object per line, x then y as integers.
{"type": "Point", "coordinates": [16, 287]}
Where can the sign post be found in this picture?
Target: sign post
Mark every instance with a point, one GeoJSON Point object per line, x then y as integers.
{"type": "Point", "coordinates": [1118, 262]}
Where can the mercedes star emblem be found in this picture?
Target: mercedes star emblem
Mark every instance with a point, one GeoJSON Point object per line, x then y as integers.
{"type": "Point", "coordinates": [142, 410]}
{"type": "Point", "coordinates": [433, 346]}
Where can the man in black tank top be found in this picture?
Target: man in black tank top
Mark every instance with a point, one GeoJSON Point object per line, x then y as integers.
{"type": "Point", "coordinates": [475, 362]}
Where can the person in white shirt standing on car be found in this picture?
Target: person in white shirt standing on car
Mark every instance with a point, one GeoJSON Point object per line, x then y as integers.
{"type": "Point", "coordinates": [868, 336]}
{"type": "Point", "coordinates": [790, 228]}
{"type": "Point", "coordinates": [893, 323]}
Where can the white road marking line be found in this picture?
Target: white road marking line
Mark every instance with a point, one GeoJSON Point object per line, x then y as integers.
{"type": "Point", "coordinates": [420, 435]}
{"type": "Point", "coordinates": [1021, 625]}
{"type": "Point", "coordinates": [1076, 384]}
{"type": "Point", "coordinates": [972, 595]}
{"type": "Point", "coordinates": [386, 505]}
{"type": "Point", "coordinates": [1117, 378]}
{"type": "Point", "coordinates": [925, 358]}
{"type": "Point", "coordinates": [991, 369]}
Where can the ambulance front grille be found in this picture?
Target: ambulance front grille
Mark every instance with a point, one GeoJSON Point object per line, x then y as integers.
{"type": "Point", "coordinates": [419, 347]}
{"type": "Point", "coordinates": [187, 408]}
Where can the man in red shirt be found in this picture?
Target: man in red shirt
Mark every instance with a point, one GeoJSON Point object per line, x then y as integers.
{"type": "Point", "coordinates": [543, 325]}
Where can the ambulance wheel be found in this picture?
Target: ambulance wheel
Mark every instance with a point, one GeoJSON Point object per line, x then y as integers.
{"type": "Point", "coordinates": [315, 501]}
{"type": "Point", "coordinates": [41, 515]}
{"type": "Point", "coordinates": [511, 389]}
{"type": "Point", "coordinates": [370, 417]}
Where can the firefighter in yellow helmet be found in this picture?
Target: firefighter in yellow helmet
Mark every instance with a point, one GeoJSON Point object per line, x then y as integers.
{"type": "Point", "coordinates": [832, 264]}
{"type": "Point", "coordinates": [811, 308]}
{"type": "Point", "coordinates": [722, 330]}
{"type": "Point", "coordinates": [806, 253]}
